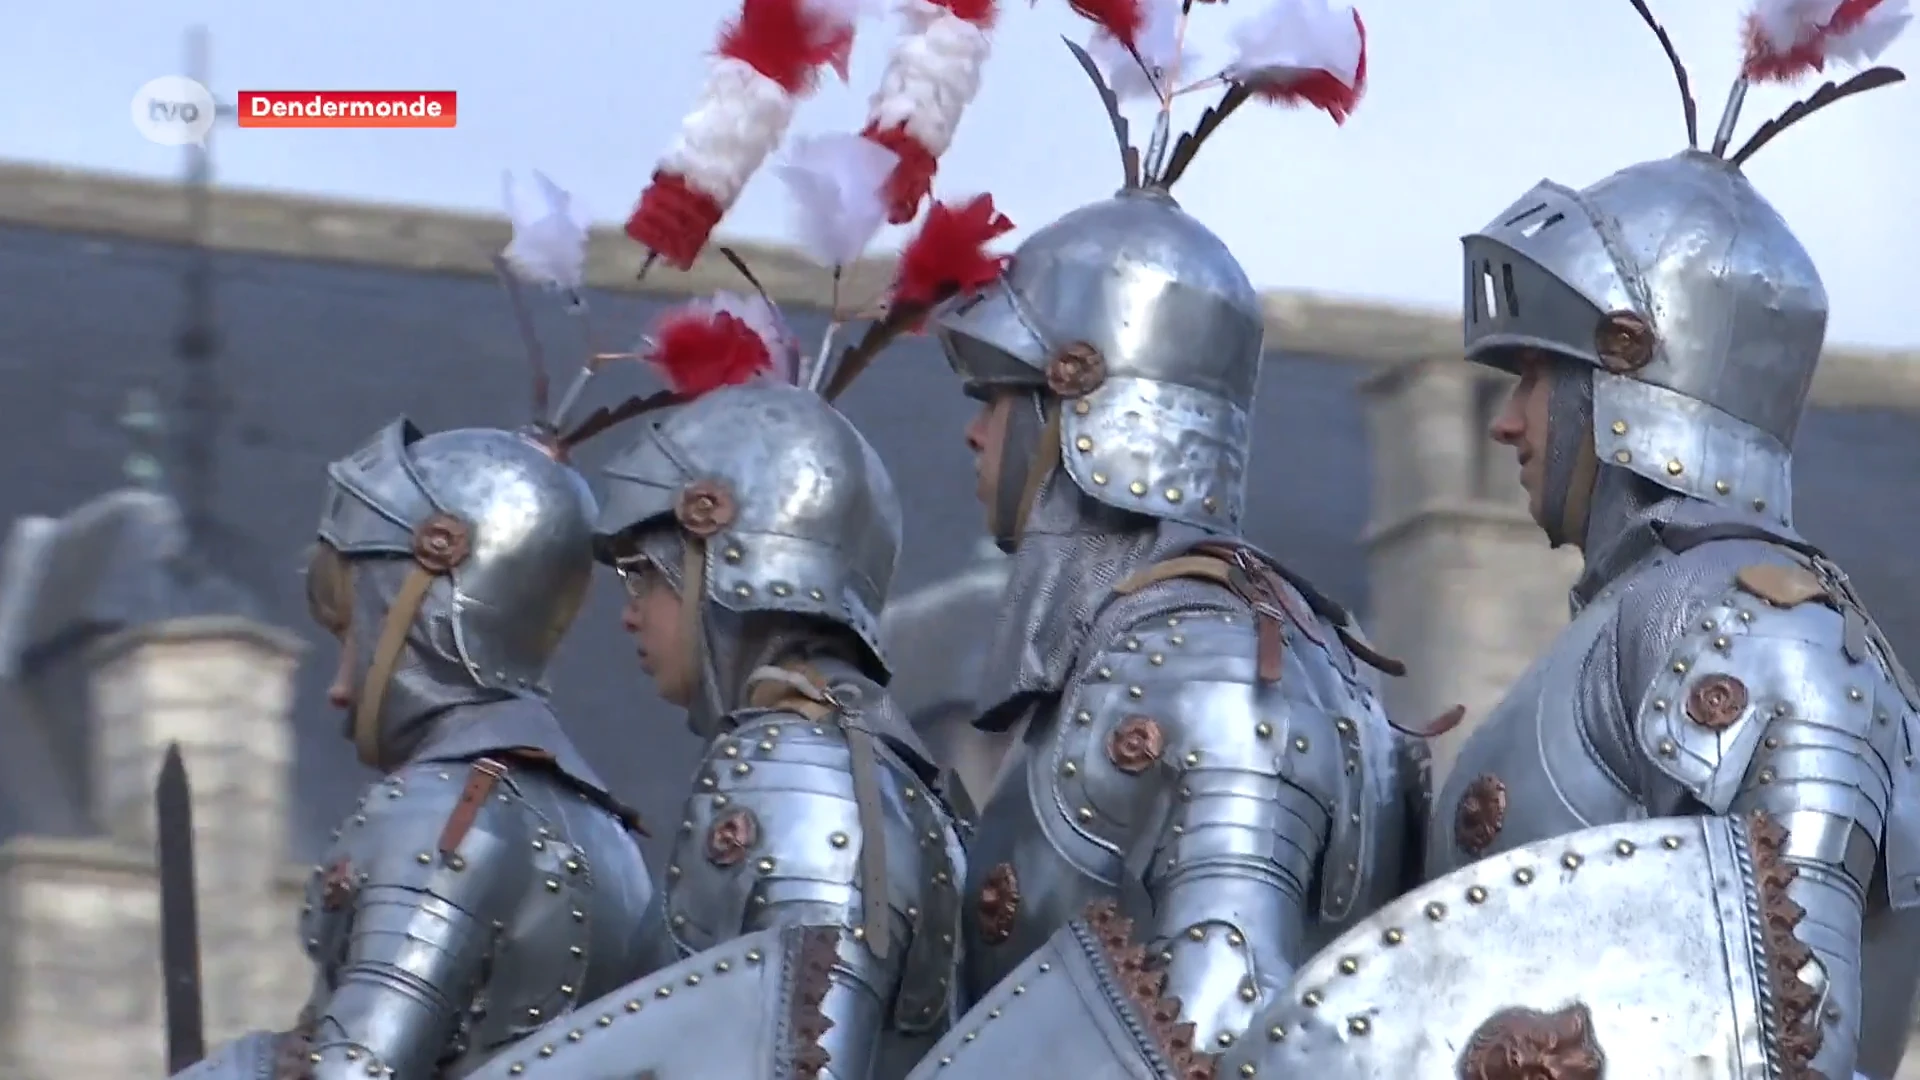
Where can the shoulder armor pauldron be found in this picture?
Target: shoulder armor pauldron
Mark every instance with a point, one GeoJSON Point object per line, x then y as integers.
{"type": "Point", "coordinates": [466, 835]}
{"type": "Point", "coordinates": [1778, 674]}
{"type": "Point", "coordinates": [774, 822]}
{"type": "Point", "coordinates": [1180, 696]}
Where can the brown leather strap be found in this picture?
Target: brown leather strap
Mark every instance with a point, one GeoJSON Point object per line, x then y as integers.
{"type": "Point", "coordinates": [1046, 458]}
{"type": "Point", "coordinates": [1579, 500]}
{"type": "Point", "coordinates": [693, 594]}
{"type": "Point", "coordinates": [1261, 592]}
{"type": "Point", "coordinates": [386, 656]}
{"type": "Point", "coordinates": [484, 775]}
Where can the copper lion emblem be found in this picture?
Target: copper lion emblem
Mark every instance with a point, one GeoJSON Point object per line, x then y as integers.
{"type": "Point", "coordinates": [733, 835]}
{"type": "Point", "coordinates": [1624, 342]}
{"type": "Point", "coordinates": [998, 904]}
{"type": "Point", "coordinates": [705, 507]}
{"type": "Point", "coordinates": [441, 543]}
{"type": "Point", "coordinates": [1135, 744]}
{"type": "Point", "coordinates": [1076, 370]}
{"type": "Point", "coordinates": [1716, 701]}
{"type": "Point", "coordinates": [1521, 1044]}
{"type": "Point", "coordinates": [1481, 814]}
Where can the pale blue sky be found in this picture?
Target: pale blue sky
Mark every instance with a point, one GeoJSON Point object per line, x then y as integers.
{"type": "Point", "coordinates": [1471, 101]}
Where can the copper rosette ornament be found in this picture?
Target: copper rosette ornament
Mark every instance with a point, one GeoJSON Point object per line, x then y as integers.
{"type": "Point", "coordinates": [1076, 370]}
{"type": "Point", "coordinates": [704, 508]}
{"type": "Point", "coordinates": [441, 543]}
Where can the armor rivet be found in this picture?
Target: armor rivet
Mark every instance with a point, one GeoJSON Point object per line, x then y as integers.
{"type": "Point", "coordinates": [1081, 408]}
{"type": "Point", "coordinates": [1044, 968]}
{"type": "Point", "coordinates": [539, 845]}
{"type": "Point", "coordinates": [1166, 957]}
{"type": "Point", "coordinates": [1759, 504]}
{"type": "Point", "coordinates": [317, 1059]}
{"type": "Point", "coordinates": [818, 730]}
{"type": "Point", "coordinates": [1263, 729]}
{"type": "Point", "coordinates": [1523, 876]}
{"type": "Point", "coordinates": [1136, 693]}
{"type": "Point", "coordinates": [579, 916]}
{"type": "Point", "coordinates": [1721, 643]}
{"type": "Point", "coordinates": [742, 769]}
{"type": "Point", "coordinates": [1137, 488]}
{"type": "Point", "coordinates": [730, 750]}
{"type": "Point", "coordinates": [1766, 776]}
{"type": "Point", "coordinates": [1771, 742]}
{"type": "Point", "coordinates": [1277, 1033]}
{"type": "Point", "coordinates": [765, 866]}
{"type": "Point", "coordinates": [456, 863]}
{"type": "Point", "coordinates": [1832, 1013]}
{"type": "Point", "coordinates": [1619, 427]}
{"type": "Point", "coordinates": [1571, 861]}
{"type": "Point", "coordinates": [765, 747]}
{"type": "Point", "coordinates": [753, 956]}
{"type": "Point", "coordinates": [1099, 479]}
{"type": "Point", "coordinates": [1853, 695]}
{"type": "Point", "coordinates": [1722, 486]}
{"type": "Point", "coordinates": [816, 595]}
{"type": "Point", "coordinates": [1343, 726]}
{"type": "Point", "coordinates": [1173, 495]}
{"type": "Point", "coordinates": [1248, 993]}
{"type": "Point", "coordinates": [423, 858]}
{"type": "Point", "coordinates": [1349, 966]}
{"type": "Point", "coordinates": [940, 877]}
{"type": "Point", "coordinates": [1104, 673]}
{"type": "Point", "coordinates": [1018, 990]}
{"type": "Point", "coordinates": [972, 1035]}
{"type": "Point", "coordinates": [1706, 624]}
{"type": "Point", "coordinates": [573, 866]}
{"type": "Point", "coordinates": [1197, 933]}
{"type": "Point", "coordinates": [1300, 744]}
{"type": "Point", "coordinates": [1667, 749]}
{"type": "Point", "coordinates": [1623, 456]}
{"type": "Point", "coordinates": [1674, 468]}
{"type": "Point", "coordinates": [1225, 1038]}
{"type": "Point", "coordinates": [838, 839]}
{"type": "Point", "coordinates": [1311, 999]}
{"type": "Point", "coordinates": [693, 979]}
{"type": "Point", "coordinates": [1246, 1070]}
{"type": "Point", "coordinates": [743, 591]}
{"type": "Point", "coordinates": [1476, 894]}
{"type": "Point", "coordinates": [633, 1005]}
{"type": "Point", "coordinates": [1156, 659]}
{"type": "Point", "coordinates": [1679, 667]}
{"type": "Point", "coordinates": [1084, 814]}
{"type": "Point", "coordinates": [1671, 843]}
{"type": "Point", "coordinates": [1210, 504]}
{"type": "Point", "coordinates": [533, 1014]}
{"type": "Point", "coordinates": [1394, 936]}
{"type": "Point", "coordinates": [732, 554]}
{"type": "Point", "coordinates": [353, 1055]}
{"type": "Point", "coordinates": [933, 836]}
{"type": "Point", "coordinates": [1069, 769]}
{"type": "Point", "coordinates": [679, 920]}
{"type": "Point", "coordinates": [707, 783]}
{"type": "Point", "coordinates": [946, 1061]}
{"type": "Point", "coordinates": [1193, 759]}
{"type": "Point", "coordinates": [574, 1036]}
{"type": "Point", "coordinates": [1436, 911]}
{"type": "Point", "coordinates": [1083, 444]}
{"type": "Point", "coordinates": [1880, 718]}
{"type": "Point", "coordinates": [1780, 708]}
{"type": "Point", "coordinates": [1659, 704]}
{"type": "Point", "coordinates": [723, 967]}
{"type": "Point", "coordinates": [782, 589]}
{"type": "Point", "coordinates": [993, 1014]}
{"type": "Point", "coordinates": [514, 1069]}
{"type": "Point", "coordinates": [1133, 645]}
{"type": "Point", "coordinates": [359, 819]}
{"type": "Point", "coordinates": [577, 951]}
{"type": "Point", "coordinates": [665, 991]}
{"type": "Point", "coordinates": [604, 1020]}
{"type": "Point", "coordinates": [1083, 717]}
{"type": "Point", "coordinates": [553, 884]}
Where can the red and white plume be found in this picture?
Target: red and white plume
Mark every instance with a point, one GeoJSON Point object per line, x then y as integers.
{"type": "Point", "coordinates": [1303, 52]}
{"type": "Point", "coordinates": [1160, 52]}
{"type": "Point", "coordinates": [1123, 21]}
{"type": "Point", "coordinates": [768, 59]}
{"type": "Point", "coordinates": [948, 257]}
{"type": "Point", "coordinates": [726, 340]}
{"type": "Point", "coordinates": [1789, 39]}
{"type": "Point", "coordinates": [931, 78]}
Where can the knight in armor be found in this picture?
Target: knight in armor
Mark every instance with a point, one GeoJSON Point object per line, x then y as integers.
{"type": "Point", "coordinates": [810, 915]}
{"type": "Point", "coordinates": [1204, 746]}
{"type": "Point", "coordinates": [1722, 726]}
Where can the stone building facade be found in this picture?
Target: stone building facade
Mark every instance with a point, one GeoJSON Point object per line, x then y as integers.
{"type": "Point", "coordinates": [1377, 481]}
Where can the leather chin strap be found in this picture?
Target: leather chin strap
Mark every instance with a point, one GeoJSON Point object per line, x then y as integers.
{"type": "Point", "coordinates": [799, 689]}
{"type": "Point", "coordinates": [1578, 503]}
{"type": "Point", "coordinates": [693, 592]}
{"type": "Point", "coordinates": [386, 657]}
{"type": "Point", "coordinates": [1041, 463]}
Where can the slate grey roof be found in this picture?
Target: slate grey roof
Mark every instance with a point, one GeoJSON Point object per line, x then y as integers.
{"type": "Point", "coordinates": [319, 355]}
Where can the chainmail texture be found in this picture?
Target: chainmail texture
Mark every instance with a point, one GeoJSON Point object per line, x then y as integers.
{"type": "Point", "coordinates": [1073, 551]}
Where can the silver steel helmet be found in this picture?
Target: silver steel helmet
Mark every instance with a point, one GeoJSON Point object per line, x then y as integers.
{"type": "Point", "coordinates": [499, 537]}
{"type": "Point", "coordinates": [1700, 314]}
{"type": "Point", "coordinates": [779, 503]}
{"type": "Point", "coordinates": [1143, 323]}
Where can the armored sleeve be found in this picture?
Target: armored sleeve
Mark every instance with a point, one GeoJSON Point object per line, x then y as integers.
{"type": "Point", "coordinates": [1773, 694]}
{"type": "Point", "coordinates": [1248, 796]}
{"type": "Point", "coordinates": [775, 836]}
{"type": "Point", "coordinates": [408, 913]}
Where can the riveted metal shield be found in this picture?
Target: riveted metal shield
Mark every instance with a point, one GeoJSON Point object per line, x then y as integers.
{"type": "Point", "coordinates": [811, 523]}
{"type": "Point", "coordinates": [257, 1055]}
{"type": "Point", "coordinates": [1644, 950]}
{"type": "Point", "coordinates": [1083, 1005]}
{"type": "Point", "coordinates": [746, 1010]}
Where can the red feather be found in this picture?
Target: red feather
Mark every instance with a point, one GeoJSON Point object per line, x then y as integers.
{"type": "Point", "coordinates": [1767, 63]}
{"type": "Point", "coordinates": [787, 42]}
{"type": "Point", "coordinates": [912, 176]}
{"type": "Point", "coordinates": [1121, 18]}
{"type": "Point", "coordinates": [978, 12]}
{"type": "Point", "coordinates": [948, 257]}
{"type": "Point", "coordinates": [1321, 90]}
{"type": "Point", "coordinates": [698, 350]}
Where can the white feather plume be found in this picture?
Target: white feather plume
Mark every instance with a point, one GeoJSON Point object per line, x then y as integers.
{"type": "Point", "coordinates": [932, 75]}
{"type": "Point", "coordinates": [836, 182]}
{"type": "Point", "coordinates": [1162, 54]}
{"type": "Point", "coordinates": [1864, 43]}
{"type": "Point", "coordinates": [1784, 25]}
{"type": "Point", "coordinates": [549, 244]}
{"type": "Point", "coordinates": [1294, 38]}
{"type": "Point", "coordinates": [739, 119]}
